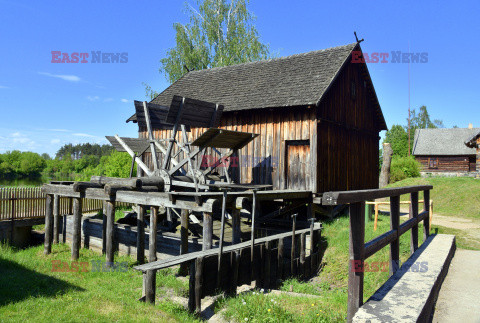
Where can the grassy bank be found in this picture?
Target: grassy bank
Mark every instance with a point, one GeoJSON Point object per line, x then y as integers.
{"type": "Point", "coordinates": [452, 196]}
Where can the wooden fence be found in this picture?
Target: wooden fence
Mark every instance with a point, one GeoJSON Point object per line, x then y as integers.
{"type": "Point", "coordinates": [29, 202]}
{"type": "Point", "coordinates": [359, 250]}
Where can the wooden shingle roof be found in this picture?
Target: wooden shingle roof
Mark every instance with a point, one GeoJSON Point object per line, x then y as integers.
{"type": "Point", "coordinates": [443, 142]}
{"type": "Point", "coordinates": [296, 80]}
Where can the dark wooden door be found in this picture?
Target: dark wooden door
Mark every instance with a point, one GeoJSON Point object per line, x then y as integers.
{"type": "Point", "coordinates": [297, 166]}
{"type": "Point", "coordinates": [471, 164]}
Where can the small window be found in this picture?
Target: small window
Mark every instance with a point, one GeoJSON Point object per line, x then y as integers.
{"type": "Point", "coordinates": [353, 90]}
{"type": "Point", "coordinates": [433, 163]}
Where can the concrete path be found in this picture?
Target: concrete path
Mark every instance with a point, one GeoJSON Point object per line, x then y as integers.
{"type": "Point", "coordinates": [459, 297]}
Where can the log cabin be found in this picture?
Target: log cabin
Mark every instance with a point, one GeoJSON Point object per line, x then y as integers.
{"type": "Point", "coordinates": [445, 150]}
{"type": "Point", "coordinates": [474, 142]}
{"type": "Point", "coordinates": [317, 115]}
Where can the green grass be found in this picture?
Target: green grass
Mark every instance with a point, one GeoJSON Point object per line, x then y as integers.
{"type": "Point", "coordinates": [29, 289]}
{"type": "Point", "coordinates": [456, 196]}
{"type": "Point", "coordinates": [331, 284]}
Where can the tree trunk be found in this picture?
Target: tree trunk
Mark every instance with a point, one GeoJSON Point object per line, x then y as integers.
{"type": "Point", "coordinates": [387, 159]}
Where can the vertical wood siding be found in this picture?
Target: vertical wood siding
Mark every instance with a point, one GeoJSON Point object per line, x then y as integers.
{"type": "Point", "coordinates": [263, 160]}
{"type": "Point", "coordinates": [347, 135]}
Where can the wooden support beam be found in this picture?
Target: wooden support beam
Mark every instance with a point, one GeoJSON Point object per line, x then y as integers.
{"type": "Point", "coordinates": [184, 216]}
{"type": "Point", "coordinates": [236, 226]}
{"type": "Point", "coordinates": [191, 288]}
{"type": "Point", "coordinates": [426, 208]}
{"type": "Point", "coordinates": [48, 225]}
{"type": "Point", "coordinates": [268, 265]}
{"type": "Point", "coordinates": [394, 226]}
{"type": "Point", "coordinates": [280, 260]}
{"type": "Point", "coordinates": [413, 215]}
{"type": "Point", "coordinates": [140, 163]}
{"type": "Point", "coordinates": [140, 234]}
{"type": "Point", "coordinates": [235, 265]}
{"type": "Point", "coordinates": [77, 228]}
{"type": "Point", "coordinates": [357, 256]}
{"type": "Point", "coordinates": [302, 254]}
{"type": "Point", "coordinates": [152, 241]}
{"type": "Point", "coordinates": [198, 284]}
{"type": "Point", "coordinates": [104, 227]}
{"type": "Point", "coordinates": [222, 232]}
{"type": "Point", "coordinates": [56, 218]}
{"type": "Point", "coordinates": [150, 286]}
{"type": "Point", "coordinates": [252, 235]}
{"type": "Point", "coordinates": [150, 136]}
{"type": "Point", "coordinates": [207, 230]}
{"type": "Point", "coordinates": [109, 233]}
{"type": "Point", "coordinates": [312, 246]}
{"type": "Point", "coordinates": [292, 251]}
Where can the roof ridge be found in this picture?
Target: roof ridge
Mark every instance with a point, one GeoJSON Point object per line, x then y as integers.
{"type": "Point", "coordinates": [261, 61]}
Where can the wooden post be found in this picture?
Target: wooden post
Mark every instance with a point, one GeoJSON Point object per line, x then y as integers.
{"type": "Point", "coordinates": [152, 241]}
{"type": "Point", "coordinates": [77, 223]}
{"type": "Point", "coordinates": [220, 245]}
{"type": "Point", "coordinates": [280, 259]}
{"type": "Point", "coordinates": [235, 266]}
{"type": "Point", "coordinates": [376, 217]}
{"type": "Point", "coordinates": [357, 256]}
{"type": "Point", "coordinates": [207, 231]}
{"type": "Point", "coordinates": [252, 234]}
{"type": "Point", "coordinates": [414, 214]}
{"type": "Point", "coordinates": [104, 227]}
{"type": "Point", "coordinates": [426, 207]}
{"type": "Point", "coordinates": [236, 228]}
{"type": "Point", "coordinates": [109, 244]}
{"type": "Point", "coordinates": [302, 254]}
{"type": "Point", "coordinates": [48, 224]}
{"type": "Point", "coordinates": [150, 286]}
{"type": "Point", "coordinates": [292, 252]}
{"type": "Point", "coordinates": [140, 234]}
{"type": "Point", "coordinates": [191, 288]}
{"type": "Point", "coordinates": [184, 240]}
{"type": "Point", "coordinates": [198, 284]}
{"type": "Point", "coordinates": [394, 224]}
{"type": "Point", "coordinates": [56, 218]}
{"type": "Point", "coordinates": [312, 246]}
{"type": "Point", "coordinates": [268, 258]}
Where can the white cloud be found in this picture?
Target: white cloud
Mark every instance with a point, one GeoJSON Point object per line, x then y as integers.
{"type": "Point", "coordinates": [93, 98]}
{"type": "Point", "coordinates": [108, 100]}
{"type": "Point", "coordinates": [70, 78]}
{"type": "Point", "coordinates": [84, 135]}
{"type": "Point", "coordinates": [17, 134]}
{"type": "Point", "coordinates": [59, 130]}
{"type": "Point", "coordinates": [4, 87]}
{"type": "Point", "coordinates": [55, 141]}
{"type": "Point", "coordinates": [125, 100]}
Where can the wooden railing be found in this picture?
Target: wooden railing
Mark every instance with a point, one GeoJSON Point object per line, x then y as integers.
{"type": "Point", "coordinates": [29, 202]}
{"type": "Point", "coordinates": [359, 250]}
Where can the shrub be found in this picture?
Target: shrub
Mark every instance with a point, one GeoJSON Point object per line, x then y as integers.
{"type": "Point", "coordinates": [403, 167]}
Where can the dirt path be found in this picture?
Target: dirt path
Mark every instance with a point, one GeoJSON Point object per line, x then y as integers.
{"type": "Point", "coordinates": [470, 227]}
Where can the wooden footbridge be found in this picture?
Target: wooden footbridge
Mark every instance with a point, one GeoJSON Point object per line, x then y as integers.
{"type": "Point", "coordinates": [185, 189]}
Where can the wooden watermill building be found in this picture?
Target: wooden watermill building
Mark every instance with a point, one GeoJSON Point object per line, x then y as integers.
{"type": "Point", "coordinates": [317, 116]}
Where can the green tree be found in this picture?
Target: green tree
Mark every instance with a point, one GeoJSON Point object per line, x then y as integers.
{"type": "Point", "coordinates": [118, 165]}
{"type": "Point", "coordinates": [397, 136]}
{"type": "Point", "coordinates": [219, 33]}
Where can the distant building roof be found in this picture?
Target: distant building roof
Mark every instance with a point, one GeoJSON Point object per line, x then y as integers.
{"type": "Point", "coordinates": [443, 142]}
{"type": "Point", "coordinates": [296, 80]}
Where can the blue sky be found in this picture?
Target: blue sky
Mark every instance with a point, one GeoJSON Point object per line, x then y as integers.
{"type": "Point", "coordinates": [45, 105]}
